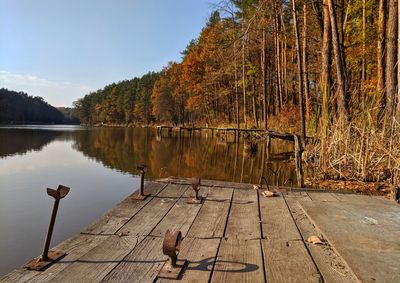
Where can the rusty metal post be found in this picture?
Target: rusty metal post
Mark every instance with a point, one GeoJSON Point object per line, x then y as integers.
{"type": "Point", "coordinates": [195, 186]}
{"type": "Point", "coordinates": [47, 257]}
{"type": "Point", "coordinates": [171, 247]}
{"type": "Point", "coordinates": [141, 195]}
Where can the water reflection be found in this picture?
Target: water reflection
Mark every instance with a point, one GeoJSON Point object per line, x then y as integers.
{"type": "Point", "coordinates": [210, 158]}
{"type": "Point", "coordinates": [21, 141]}
{"type": "Point", "coordinates": [123, 148]}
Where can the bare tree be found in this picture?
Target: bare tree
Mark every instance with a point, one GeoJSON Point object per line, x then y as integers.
{"type": "Point", "coordinates": [391, 61]}
{"type": "Point", "coordinates": [340, 70]}
{"type": "Point", "coordinates": [300, 71]}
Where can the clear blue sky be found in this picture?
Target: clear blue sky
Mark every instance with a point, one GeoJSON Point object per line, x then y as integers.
{"type": "Point", "coordinates": [62, 49]}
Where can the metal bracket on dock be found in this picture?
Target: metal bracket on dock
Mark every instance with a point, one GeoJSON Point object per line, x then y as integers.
{"type": "Point", "coordinates": [195, 185]}
{"type": "Point", "coordinates": [47, 256]}
{"type": "Point", "coordinates": [172, 268]}
{"type": "Point", "coordinates": [141, 195]}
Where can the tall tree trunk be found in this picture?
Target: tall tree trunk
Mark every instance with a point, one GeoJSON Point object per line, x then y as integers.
{"type": "Point", "coordinates": [305, 69]}
{"type": "Point", "coordinates": [236, 86]}
{"type": "Point", "coordinates": [381, 59]}
{"type": "Point", "coordinates": [300, 72]}
{"type": "Point", "coordinates": [264, 75]}
{"type": "Point", "coordinates": [277, 58]}
{"type": "Point", "coordinates": [364, 38]}
{"type": "Point", "coordinates": [339, 63]}
{"type": "Point", "coordinates": [398, 58]}
{"type": "Point", "coordinates": [325, 82]}
{"type": "Point", "coordinates": [391, 61]}
{"type": "Point", "coordinates": [244, 75]}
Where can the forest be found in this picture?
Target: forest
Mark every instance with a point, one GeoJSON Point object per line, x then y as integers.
{"type": "Point", "coordinates": [324, 69]}
{"type": "Point", "coordinates": [20, 108]}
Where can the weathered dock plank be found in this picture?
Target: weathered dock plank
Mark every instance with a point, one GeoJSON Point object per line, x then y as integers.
{"type": "Point", "coordinates": [285, 255]}
{"type": "Point", "coordinates": [239, 260]}
{"type": "Point", "coordinates": [75, 247]}
{"type": "Point", "coordinates": [200, 254]}
{"type": "Point", "coordinates": [276, 220]}
{"type": "Point", "coordinates": [323, 196]}
{"type": "Point", "coordinates": [145, 221]}
{"type": "Point", "coordinates": [179, 218]}
{"type": "Point", "coordinates": [244, 221]}
{"type": "Point", "coordinates": [98, 262]}
{"type": "Point", "coordinates": [173, 191]}
{"type": "Point", "coordinates": [141, 265]}
{"type": "Point", "coordinates": [288, 261]}
{"type": "Point", "coordinates": [332, 267]}
{"type": "Point", "coordinates": [212, 218]}
{"type": "Point", "coordinates": [373, 251]}
{"type": "Point", "coordinates": [116, 217]}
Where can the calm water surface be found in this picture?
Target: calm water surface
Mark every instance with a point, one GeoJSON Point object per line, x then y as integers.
{"type": "Point", "coordinates": [99, 164]}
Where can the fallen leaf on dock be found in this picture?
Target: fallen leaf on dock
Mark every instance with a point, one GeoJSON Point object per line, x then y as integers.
{"type": "Point", "coordinates": [315, 240]}
{"type": "Point", "coordinates": [269, 194]}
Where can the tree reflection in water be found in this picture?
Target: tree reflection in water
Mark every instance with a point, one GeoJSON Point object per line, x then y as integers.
{"type": "Point", "coordinates": [123, 148]}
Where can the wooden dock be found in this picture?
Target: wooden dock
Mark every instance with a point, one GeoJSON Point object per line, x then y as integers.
{"type": "Point", "coordinates": [235, 235]}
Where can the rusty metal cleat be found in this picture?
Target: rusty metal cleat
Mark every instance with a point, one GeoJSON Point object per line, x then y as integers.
{"type": "Point", "coordinates": [47, 256]}
{"type": "Point", "coordinates": [172, 268]}
{"type": "Point", "coordinates": [141, 195]}
{"type": "Point", "coordinates": [195, 185]}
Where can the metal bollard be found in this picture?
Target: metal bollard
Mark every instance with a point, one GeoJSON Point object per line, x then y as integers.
{"type": "Point", "coordinates": [171, 247]}
{"type": "Point", "coordinates": [195, 186]}
{"type": "Point", "coordinates": [141, 195]}
{"type": "Point", "coordinates": [47, 256]}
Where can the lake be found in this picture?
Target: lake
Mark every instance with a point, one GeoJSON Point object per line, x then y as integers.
{"type": "Point", "coordinates": [99, 165]}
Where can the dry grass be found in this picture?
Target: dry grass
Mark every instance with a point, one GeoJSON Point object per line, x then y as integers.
{"type": "Point", "coordinates": [356, 153]}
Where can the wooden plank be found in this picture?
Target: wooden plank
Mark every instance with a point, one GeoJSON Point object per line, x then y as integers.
{"type": "Point", "coordinates": [276, 220]}
{"type": "Point", "coordinates": [75, 247]}
{"type": "Point", "coordinates": [216, 194]}
{"type": "Point", "coordinates": [244, 221]}
{"type": "Point", "coordinates": [239, 261]}
{"type": "Point", "coordinates": [323, 197]}
{"type": "Point", "coordinates": [200, 254]}
{"type": "Point", "coordinates": [98, 262]}
{"type": "Point", "coordinates": [330, 264]}
{"type": "Point", "coordinates": [364, 233]}
{"type": "Point", "coordinates": [147, 218]}
{"type": "Point", "coordinates": [224, 184]}
{"type": "Point", "coordinates": [141, 265]}
{"type": "Point", "coordinates": [116, 217]}
{"type": "Point", "coordinates": [179, 218]}
{"type": "Point", "coordinates": [173, 191]}
{"type": "Point", "coordinates": [190, 193]}
{"type": "Point", "coordinates": [288, 261]}
{"type": "Point", "coordinates": [211, 220]}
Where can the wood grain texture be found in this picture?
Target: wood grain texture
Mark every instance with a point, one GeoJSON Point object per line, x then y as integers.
{"type": "Point", "coordinates": [330, 264]}
{"type": "Point", "coordinates": [365, 233]}
{"type": "Point", "coordinates": [323, 197]}
{"type": "Point", "coordinates": [277, 222]}
{"type": "Point", "coordinates": [288, 261]}
{"type": "Point", "coordinates": [200, 254]}
{"type": "Point", "coordinates": [117, 216]}
{"type": "Point", "coordinates": [179, 218]}
{"type": "Point", "coordinates": [75, 247]}
{"type": "Point", "coordinates": [98, 262]}
{"type": "Point", "coordinates": [244, 221]}
{"type": "Point", "coordinates": [141, 265]}
{"type": "Point", "coordinates": [211, 220]}
{"type": "Point", "coordinates": [145, 221]}
{"type": "Point", "coordinates": [239, 260]}
{"type": "Point", "coordinates": [173, 191]}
